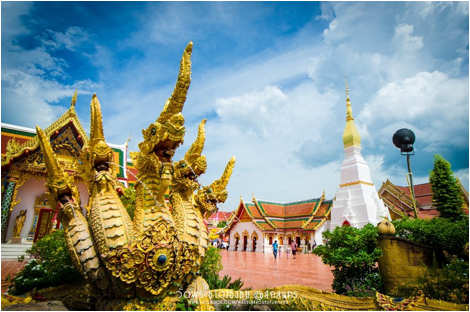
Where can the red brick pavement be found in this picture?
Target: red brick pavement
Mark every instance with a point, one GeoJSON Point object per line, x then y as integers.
{"type": "Point", "coordinates": [260, 270]}
{"type": "Point", "coordinates": [10, 267]}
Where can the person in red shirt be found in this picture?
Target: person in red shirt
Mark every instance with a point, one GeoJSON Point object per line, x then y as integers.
{"type": "Point", "coordinates": [294, 248]}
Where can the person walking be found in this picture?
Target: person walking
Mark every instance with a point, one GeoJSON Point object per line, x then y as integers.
{"type": "Point", "coordinates": [294, 248]}
{"type": "Point", "coordinates": [280, 251]}
{"type": "Point", "coordinates": [275, 245]}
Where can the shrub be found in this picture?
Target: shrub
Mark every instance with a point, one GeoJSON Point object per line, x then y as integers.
{"type": "Point", "coordinates": [353, 253]}
{"type": "Point", "coordinates": [210, 268]}
{"type": "Point", "coordinates": [440, 233]}
{"type": "Point", "coordinates": [49, 266]}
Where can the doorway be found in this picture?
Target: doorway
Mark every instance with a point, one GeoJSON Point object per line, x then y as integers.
{"type": "Point", "coordinates": [245, 242]}
{"type": "Point", "coordinates": [44, 226]}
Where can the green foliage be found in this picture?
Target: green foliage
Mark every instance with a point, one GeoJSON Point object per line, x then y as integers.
{"type": "Point", "coordinates": [446, 196]}
{"type": "Point", "coordinates": [449, 283]}
{"type": "Point", "coordinates": [211, 265]}
{"type": "Point", "coordinates": [210, 268]}
{"type": "Point", "coordinates": [360, 289]}
{"type": "Point", "coordinates": [439, 233]}
{"type": "Point", "coordinates": [128, 200]}
{"type": "Point", "coordinates": [222, 224]}
{"type": "Point", "coordinates": [353, 253]}
{"type": "Point", "coordinates": [50, 265]}
{"type": "Point", "coordinates": [185, 304]}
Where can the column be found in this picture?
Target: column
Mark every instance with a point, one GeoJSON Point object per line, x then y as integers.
{"type": "Point", "coordinates": [6, 204]}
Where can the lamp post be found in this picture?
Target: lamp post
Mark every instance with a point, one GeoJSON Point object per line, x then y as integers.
{"type": "Point", "coordinates": [404, 140]}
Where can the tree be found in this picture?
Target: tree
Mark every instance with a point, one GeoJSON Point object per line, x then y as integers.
{"type": "Point", "coordinates": [446, 191]}
{"type": "Point", "coordinates": [222, 224]}
{"type": "Point", "coordinates": [353, 254]}
{"type": "Point", "coordinates": [128, 200]}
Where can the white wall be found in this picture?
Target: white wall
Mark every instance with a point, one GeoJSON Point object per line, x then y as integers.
{"type": "Point", "coordinates": [239, 228]}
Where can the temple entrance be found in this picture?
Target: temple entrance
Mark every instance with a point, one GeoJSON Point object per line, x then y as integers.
{"type": "Point", "coordinates": [236, 243]}
{"type": "Point", "coordinates": [281, 240]}
{"type": "Point", "coordinates": [254, 243]}
{"type": "Point", "coordinates": [297, 241]}
{"type": "Point", "coordinates": [245, 242]}
{"type": "Point", "coordinates": [290, 240]}
{"type": "Point", "coordinates": [270, 240]}
{"type": "Point", "coordinates": [44, 225]}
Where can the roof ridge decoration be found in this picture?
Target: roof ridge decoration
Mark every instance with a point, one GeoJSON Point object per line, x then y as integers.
{"type": "Point", "coordinates": [315, 210]}
{"type": "Point", "coordinates": [398, 193]}
{"type": "Point", "coordinates": [14, 149]}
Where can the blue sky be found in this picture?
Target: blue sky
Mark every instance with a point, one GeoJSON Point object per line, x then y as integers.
{"type": "Point", "coordinates": [269, 76]}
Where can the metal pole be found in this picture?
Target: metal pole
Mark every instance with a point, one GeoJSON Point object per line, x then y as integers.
{"type": "Point", "coordinates": [412, 188]}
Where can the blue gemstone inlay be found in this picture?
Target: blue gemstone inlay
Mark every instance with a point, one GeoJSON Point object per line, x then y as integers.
{"type": "Point", "coordinates": [161, 259]}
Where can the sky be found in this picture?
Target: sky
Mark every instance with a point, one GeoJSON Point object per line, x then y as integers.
{"type": "Point", "coordinates": [268, 76]}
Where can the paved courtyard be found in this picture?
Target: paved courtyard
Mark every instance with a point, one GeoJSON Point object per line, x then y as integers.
{"type": "Point", "coordinates": [10, 268]}
{"type": "Point", "coordinates": [260, 270]}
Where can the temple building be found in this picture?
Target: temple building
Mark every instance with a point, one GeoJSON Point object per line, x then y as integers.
{"type": "Point", "coordinates": [24, 173]}
{"type": "Point", "coordinates": [356, 203]}
{"type": "Point", "coordinates": [255, 226]}
{"type": "Point", "coordinates": [399, 202]}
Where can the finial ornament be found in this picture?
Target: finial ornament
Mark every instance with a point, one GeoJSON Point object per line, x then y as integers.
{"type": "Point", "coordinates": [74, 98]}
{"type": "Point", "coordinates": [351, 135]}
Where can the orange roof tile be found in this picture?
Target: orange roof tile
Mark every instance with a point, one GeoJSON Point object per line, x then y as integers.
{"type": "Point", "coordinates": [287, 210]}
{"type": "Point", "coordinates": [253, 211]}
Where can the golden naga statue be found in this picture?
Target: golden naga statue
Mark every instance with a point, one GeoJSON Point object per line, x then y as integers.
{"type": "Point", "coordinates": [158, 253]}
{"type": "Point", "coordinates": [189, 208]}
{"type": "Point", "coordinates": [63, 195]}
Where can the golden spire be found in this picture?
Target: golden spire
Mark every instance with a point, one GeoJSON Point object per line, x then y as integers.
{"type": "Point", "coordinates": [351, 135]}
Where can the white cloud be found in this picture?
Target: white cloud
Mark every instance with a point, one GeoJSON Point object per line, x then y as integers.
{"type": "Point", "coordinates": [404, 39]}
{"type": "Point", "coordinates": [431, 104]}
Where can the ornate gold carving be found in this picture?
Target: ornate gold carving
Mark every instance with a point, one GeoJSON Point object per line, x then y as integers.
{"type": "Point", "coordinates": [69, 116]}
{"type": "Point", "coordinates": [356, 183]}
{"type": "Point", "coordinates": [160, 252]}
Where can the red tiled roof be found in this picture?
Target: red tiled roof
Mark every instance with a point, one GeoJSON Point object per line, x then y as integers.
{"type": "Point", "coordinates": [289, 224]}
{"type": "Point", "coordinates": [253, 211]}
{"type": "Point", "coordinates": [427, 214]}
{"type": "Point", "coordinates": [423, 193]}
{"type": "Point", "coordinates": [221, 215]}
{"type": "Point", "coordinates": [288, 210]}
{"type": "Point", "coordinates": [264, 225]}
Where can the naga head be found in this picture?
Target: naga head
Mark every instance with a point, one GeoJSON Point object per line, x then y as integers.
{"type": "Point", "coordinates": [187, 170]}
{"type": "Point", "coordinates": [163, 137]}
{"type": "Point", "coordinates": [97, 154]}
{"type": "Point", "coordinates": [209, 196]}
{"type": "Point", "coordinates": [61, 189]}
